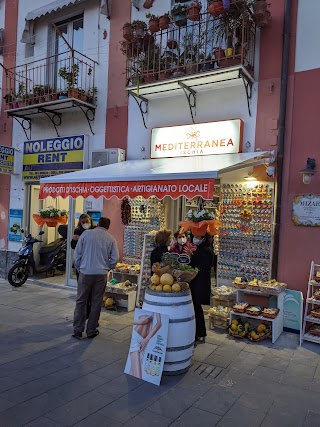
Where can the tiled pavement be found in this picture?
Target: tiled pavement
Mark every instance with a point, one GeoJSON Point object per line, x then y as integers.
{"type": "Point", "coordinates": [48, 379]}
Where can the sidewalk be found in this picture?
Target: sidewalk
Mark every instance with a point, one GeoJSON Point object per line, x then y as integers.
{"type": "Point", "coordinates": [48, 379]}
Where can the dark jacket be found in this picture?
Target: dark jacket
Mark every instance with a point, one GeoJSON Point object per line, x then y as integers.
{"type": "Point", "coordinates": [156, 255]}
{"type": "Point", "coordinates": [203, 259]}
{"type": "Point", "coordinates": [77, 232]}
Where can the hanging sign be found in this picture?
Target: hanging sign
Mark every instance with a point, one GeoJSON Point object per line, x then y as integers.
{"type": "Point", "coordinates": [47, 157]}
{"type": "Point", "coordinates": [148, 346]}
{"type": "Point", "coordinates": [6, 160]}
{"type": "Point", "coordinates": [197, 140]}
{"type": "Point", "coordinates": [292, 308]}
{"type": "Point", "coordinates": [160, 189]}
{"type": "Point", "coordinates": [306, 210]}
{"type": "Point", "coordinates": [15, 225]}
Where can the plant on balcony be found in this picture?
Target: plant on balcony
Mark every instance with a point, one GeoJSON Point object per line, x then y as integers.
{"type": "Point", "coordinates": [138, 28]}
{"type": "Point", "coordinates": [153, 23]}
{"type": "Point", "coordinates": [166, 62]}
{"type": "Point", "coordinates": [164, 21]}
{"type": "Point", "coordinates": [179, 14]}
{"type": "Point", "coordinates": [38, 94]}
{"type": "Point", "coordinates": [19, 99]}
{"type": "Point", "coordinates": [127, 31]}
{"type": "Point", "coordinates": [148, 4]}
{"type": "Point", "coordinates": [91, 95]}
{"type": "Point", "coordinates": [70, 75]}
{"type": "Point", "coordinates": [261, 14]}
{"type": "Point", "coordinates": [194, 10]}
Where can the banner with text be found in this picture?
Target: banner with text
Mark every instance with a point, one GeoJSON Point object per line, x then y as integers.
{"type": "Point", "coordinates": [160, 189]}
{"type": "Point", "coordinates": [6, 160]}
{"type": "Point", "coordinates": [201, 139]}
{"type": "Point", "coordinates": [55, 156]}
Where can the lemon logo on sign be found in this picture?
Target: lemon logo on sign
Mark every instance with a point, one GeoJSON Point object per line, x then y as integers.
{"type": "Point", "coordinates": [194, 134]}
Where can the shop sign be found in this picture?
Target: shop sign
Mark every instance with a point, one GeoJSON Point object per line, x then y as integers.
{"type": "Point", "coordinates": [15, 225]}
{"type": "Point", "coordinates": [202, 139]}
{"type": "Point", "coordinates": [160, 189]}
{"type": "Point", "coordinates": [146, 362]}
{"type": "Point", "coordinates": [6, 160]}
{"type": "Point", "coordinates": [47, 157]}
{"type": "Point", "coordinates": [306, 210]}
{"type": "Point", "coordinates": [292, 308]}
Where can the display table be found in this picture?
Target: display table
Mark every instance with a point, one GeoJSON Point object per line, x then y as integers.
{"type": "Point", "coordinates": [125, 299]}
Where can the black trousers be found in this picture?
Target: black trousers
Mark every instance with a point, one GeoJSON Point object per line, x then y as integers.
{"type": "Point", "coordinates": [200, 322]}
{"type": "Point", "coordinates": [88, 310]}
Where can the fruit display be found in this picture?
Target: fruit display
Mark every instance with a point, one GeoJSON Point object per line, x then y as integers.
{"type": "Point", "coordinates": [254, 285]}
{"type": "Point", "coordinates": [316, 277]}
{"type": "Point", "coordinates": [240, 307]}
{"type": "Point", "coordinates": [315, 330]}
{"type": "Point", "coordinates": [166, 283]}
{"type": "Point", "coordinates": [224, 292]}
{"type": "Point", "coordinates": [254, 310]}
{"type": "Point", "coordinates": [315, 312]}
{"type": "Point", "coordinates": [316, 295]}
{"type": "Point", "coordinates": [238, 328]}
{"type": "Point", "coordinates": [120, 287]}
{"type": "Point", "coordinates": [219, 311]}
{"type": "Point", "coordinates": [240, 283]}
{"type": "Point", "coordinates": [272, 313]}
{"type": "Point", "coordinates": [127, 268]}
{"type": "Point", "coordinates": [272, 287]}
{"type": "Point", "coordinates": [261, 332]}
{"type": "Point", "coordinates": [109, 303]}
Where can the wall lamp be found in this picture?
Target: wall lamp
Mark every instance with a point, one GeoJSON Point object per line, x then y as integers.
{"type": "Point", "coordinates": [309, 171]}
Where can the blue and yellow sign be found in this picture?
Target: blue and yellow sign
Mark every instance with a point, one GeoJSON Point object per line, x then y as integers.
{"type": "Point", "coordinates": [6, 159]}
{"type": "Point", "coordinates": [49, 157]}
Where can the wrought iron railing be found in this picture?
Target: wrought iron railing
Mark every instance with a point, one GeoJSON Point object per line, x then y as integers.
{"type": "Point", "coordinates": [191, 47]}
{"type": "Point", "coordinates": [66, 75]}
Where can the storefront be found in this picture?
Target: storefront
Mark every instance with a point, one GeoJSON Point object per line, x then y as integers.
{"type": "Point", "coordinates": [205, 162]}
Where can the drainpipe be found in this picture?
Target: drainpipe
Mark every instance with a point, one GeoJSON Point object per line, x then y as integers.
{"type": "Point", "coordinates": [281, 136]}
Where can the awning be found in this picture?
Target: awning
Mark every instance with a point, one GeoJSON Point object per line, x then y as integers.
{"type": "Point", "coordinates": [174, 177]}
{"type": "Point", "coordinates": [55, 6]}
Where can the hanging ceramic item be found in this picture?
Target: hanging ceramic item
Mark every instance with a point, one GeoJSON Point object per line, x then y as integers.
{"type": "Point", "coordinates": [148, 4]}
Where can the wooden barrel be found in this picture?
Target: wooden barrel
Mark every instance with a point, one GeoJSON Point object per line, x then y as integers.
{"type": "Point", "coordinates": [179, 307]}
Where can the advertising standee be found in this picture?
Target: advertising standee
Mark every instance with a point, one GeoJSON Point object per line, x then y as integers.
{"type": "Point", "coordinates": [15, 225]}
{"type": "Point", "coordinates": [148, 346]}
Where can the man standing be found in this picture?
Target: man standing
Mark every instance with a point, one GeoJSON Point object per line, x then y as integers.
{"type": "Point", "coordinates": [95, 254]}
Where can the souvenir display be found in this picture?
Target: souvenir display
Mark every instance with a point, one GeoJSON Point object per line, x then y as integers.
{"type": "Point", "coordinates": [127, 268]}
{"type": "Point", "coordinates": [272, 313]}
{"type": "Point", "coordinates": [224, 292]}
{"type": "Point", "coordinates": [244, 244]}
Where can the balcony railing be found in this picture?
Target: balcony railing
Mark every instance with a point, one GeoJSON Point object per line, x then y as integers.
{"type": "Point", "coordinates": [66, 75]}
{"type": "Point", "coordinates": [191, 48]}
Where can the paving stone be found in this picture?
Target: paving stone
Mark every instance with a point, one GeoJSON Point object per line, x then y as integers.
{"type": "Point", "coordinates": [196, 417]}
{"type": "Point", "coordinates": [284, 417]}
{"type": "Point", "coordinates": [222, 361]}
{"type": "Point", "coordinates": [43, 422]}
{"type": "Point", "coordinates": [299, 381]}
{"type": "Point", "coordinates": [270, 361]}
{"type": "Point", "coordinates": [269, 374]}
{"type": "Point", "coordinates": [119, 386]}
{"type": "Point", "coordinates": [312, 419]}
{"type": "Point", "coordinates": [202, 351]}
{"type": "Point", "coordinates": [305, 357]}
{"type": "Point", "coordinates": [5, 404]}
{"type": "Point", "coordinates": [298, 369]}
{"type": "Point", "coordinates": [218, 400]}
{"type": "Point", "coordinates": [96, 420]}
{"type": "Point", "coordinates": [257, 401]}
{"type": "Point", "coordinates": [241, 416]}
{"type": "Point", "coordinates": [246, 362]}
{"type": "Point", "coordinates": [6, 383]}
{"type": "Point", "coordinates": [173, 404]}
{"type": "Point", "coordinates": [147, 418]}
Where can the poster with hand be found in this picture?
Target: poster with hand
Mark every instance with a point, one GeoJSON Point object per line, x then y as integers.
{"type": "Point", "coordinates": [15, 225]}
{"type": "Point", "coordinates": [148, 346]}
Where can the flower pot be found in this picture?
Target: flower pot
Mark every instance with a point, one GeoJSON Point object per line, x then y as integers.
{"type": "Point", "coordinates": [73, 93]}
{"type": "Point", "coordinates": [42, 99]}
{"type": "Point", "coordinates": [179, 71]}
{"type": "Point", "coordinates": [191, 68]}
{"type": "Point", "coordinates": [164, 22]}
{"type": "Point", "coordinates": [154, 25]}
{"type": "Point", "coordinates": [194, 13]}
{"type": "Point", "coordinates": [172, 44]}
{"type": "Point", "coordinates": [216, 8]}
{"type": "Point", "coordinates": [259, 7]}
{"type": "Point", "coordinates": [127, 32]}
{"type": "Point", "coordinates": [262, 20]}
{"type": "Point", "coordinates": [148, 41]}
{"type": "Point", "coordinates": [150, 77]}
{"type": "Point", "coordinates": [180, 20]}
{"type": "Point", "coordinates": [139, 30]}
{"type": "Point", "coordinates": [163, 75]}
{"type": "Point", "coordinates": [228, 52]}
{"type": "Point", "coordinates": [218, 53]}
{"type": "Point", "coordinates": [148, 4]}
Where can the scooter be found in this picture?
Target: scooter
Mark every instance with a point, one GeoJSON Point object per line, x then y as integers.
{"type": "Point", "coordinates": [52, 256]}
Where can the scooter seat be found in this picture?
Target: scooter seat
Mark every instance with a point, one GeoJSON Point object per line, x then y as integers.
{"type": "Point", "coordinates": [51, 247]}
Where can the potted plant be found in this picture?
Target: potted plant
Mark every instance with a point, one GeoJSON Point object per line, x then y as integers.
{"type": "Point", "coordinates": [179, 14]}
{"type": "Point", "coordinates": [91, 95]}
{"type": "Point", "coordinates": [215, 7]}
{"type": "Point", "coordinates": [127, 31]}
{"type": "Point", "coordinates": [138, 28]}
{"type": "Point", "coordinates": [38, 94]}
{"type": "Point", "coordinates": [51, 217]}
{"type": "Point", "coordinates": [259, 7]}
{"type": "Point", "coordinates": [262, 20]}
{"type": "Point", "coordinates": [194, 10]}
{"type": "Point", "coordinates": [71, 78]}
{"type": "Point", "coordinates": [153, 23]}
{"type": "Point", "coordinates": [164, 21]}
{"type": "Point", "coordinates": [148, 42]}
{"type": "Point", "coordinates": [148, 4]}
{"type": "Point", "coordinates": [20, 97]}
{"type": "Point", "coordinates": [165, 65]}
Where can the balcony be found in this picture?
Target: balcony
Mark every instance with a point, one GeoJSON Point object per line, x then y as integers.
{"type": "Point", "coordinates": [50, 87]}
{"type": "Point", "coordinates": [191, 56]}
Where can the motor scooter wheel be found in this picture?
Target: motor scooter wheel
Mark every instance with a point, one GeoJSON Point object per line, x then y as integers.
{"type": "Point", "coordinates": [18, 275]}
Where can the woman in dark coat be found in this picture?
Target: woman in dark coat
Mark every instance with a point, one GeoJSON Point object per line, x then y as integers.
{"type": "Point", "coordinates": [203, 259]}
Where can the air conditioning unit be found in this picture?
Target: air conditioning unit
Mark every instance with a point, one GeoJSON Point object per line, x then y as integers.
{"type": "Point", "coordinates": [107, 157]}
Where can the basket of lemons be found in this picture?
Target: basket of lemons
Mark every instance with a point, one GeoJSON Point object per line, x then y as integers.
{"type": "Point", "coordinates": [238, 328]}
{"type": "Point", "coordinates": [261, 332]}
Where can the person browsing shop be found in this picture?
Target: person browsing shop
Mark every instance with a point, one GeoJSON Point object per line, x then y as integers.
{"type": "Point", "coordinates": [182, 246]}
{"type": "Point", "coordinates": [200, 286]}
{"type": "Point", "coordinates": [96, 253]}
{"type": "Point", "coordinates": [163, 240]}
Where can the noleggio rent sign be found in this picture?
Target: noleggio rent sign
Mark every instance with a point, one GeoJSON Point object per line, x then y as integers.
{"type": "Point", "coordinates": [47, 157]}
